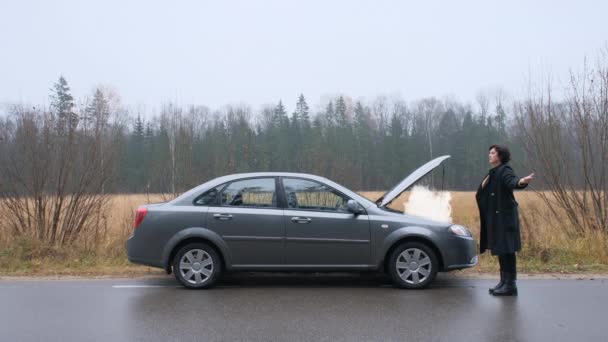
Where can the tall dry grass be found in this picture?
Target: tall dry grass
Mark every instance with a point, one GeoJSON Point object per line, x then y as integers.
{"type": "Point", "coordinates": [99, 251]}
{"type": "Point", "coordinates": [549, 244]}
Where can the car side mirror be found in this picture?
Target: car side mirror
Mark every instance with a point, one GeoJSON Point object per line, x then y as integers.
{"type": "Point", "coordinates": [353, 207]}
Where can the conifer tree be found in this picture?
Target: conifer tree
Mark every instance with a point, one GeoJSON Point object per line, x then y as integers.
{"type": "Point", "coordinates": [62, 103]}
{"type": "Point", "coordinates": [302, 111]}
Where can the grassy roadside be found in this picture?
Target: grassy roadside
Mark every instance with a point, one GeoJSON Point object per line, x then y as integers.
{"type": "Point", "coordinates": [30, 259]}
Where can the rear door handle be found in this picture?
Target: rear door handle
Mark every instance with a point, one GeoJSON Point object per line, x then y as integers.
{"type": "Point", "coordinates": [222, 216]}
{"type": "Point", "coordinates": [297, 219]}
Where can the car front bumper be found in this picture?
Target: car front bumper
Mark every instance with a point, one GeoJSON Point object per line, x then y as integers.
{"type": "Point", "coordinates": [459, 253]}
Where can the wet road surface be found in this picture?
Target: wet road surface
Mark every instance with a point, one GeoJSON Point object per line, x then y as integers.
{"type": "Point", "coordinates": [287, 307]}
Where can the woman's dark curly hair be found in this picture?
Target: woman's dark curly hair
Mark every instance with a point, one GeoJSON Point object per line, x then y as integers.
{"type": "Point", "coordinates": [503, 153]}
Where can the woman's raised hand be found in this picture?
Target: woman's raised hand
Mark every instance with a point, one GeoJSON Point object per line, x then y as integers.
{"type": "Point", "coordinates": [527, 179]}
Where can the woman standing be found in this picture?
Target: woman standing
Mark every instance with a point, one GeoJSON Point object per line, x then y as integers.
{"type": "Point", "coordinates": [499, 217]}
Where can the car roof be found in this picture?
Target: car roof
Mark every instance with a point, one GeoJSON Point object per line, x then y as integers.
{"type": "Point", "coordinates": [272, 174]}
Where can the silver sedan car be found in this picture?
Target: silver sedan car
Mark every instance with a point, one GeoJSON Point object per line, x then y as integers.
{"type": "Point", "coordinates": [280, 221]}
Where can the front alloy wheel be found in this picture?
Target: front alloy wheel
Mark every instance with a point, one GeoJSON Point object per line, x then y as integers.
{"type": "Point", "coordinates": [413, 265]}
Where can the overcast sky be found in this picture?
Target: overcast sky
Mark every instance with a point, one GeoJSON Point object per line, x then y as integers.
{"type": "Point", "coordinates": [257, 52]}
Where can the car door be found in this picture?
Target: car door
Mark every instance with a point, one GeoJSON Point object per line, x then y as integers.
{"type": "Point", "coordinates": [249, 220]}
{"type": "Point", "coordinates": [319, 229]}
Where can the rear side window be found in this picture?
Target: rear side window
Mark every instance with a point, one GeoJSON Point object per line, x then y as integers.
{"type": "Point", "coordinates": [257, 192]}
{"type": "Point", "coordinates": [210, 197]}
{"type": "Point", "coordinates": [309, 195]}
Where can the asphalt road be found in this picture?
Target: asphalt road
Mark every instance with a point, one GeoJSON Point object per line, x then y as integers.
{"type": "Point", "coordinates": [301, 308]}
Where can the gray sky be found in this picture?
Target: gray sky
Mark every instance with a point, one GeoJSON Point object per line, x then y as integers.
{"type": "Point", "coordinates": [257, 52]}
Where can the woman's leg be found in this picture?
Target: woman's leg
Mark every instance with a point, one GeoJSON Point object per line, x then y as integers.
{"type": "Point", "coordinates": [508, 265]}
{"type": "Point", "coordinates": [501, 262]}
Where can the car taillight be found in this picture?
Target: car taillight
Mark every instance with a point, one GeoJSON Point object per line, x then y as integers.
{"type": "Point", "coordinates": [139, 216]}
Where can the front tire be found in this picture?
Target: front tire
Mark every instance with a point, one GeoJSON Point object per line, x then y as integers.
{"type": "Point", "coordinates": [412, 265]}
{"type": "Point", "coordinates": [197, 266]}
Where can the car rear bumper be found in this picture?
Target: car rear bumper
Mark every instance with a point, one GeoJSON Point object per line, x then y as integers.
{"type": "Point", "coordinates": [134, 254]}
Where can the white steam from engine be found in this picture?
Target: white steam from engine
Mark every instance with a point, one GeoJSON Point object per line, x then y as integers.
{"type": "Point", "coordinates": [430, 204]}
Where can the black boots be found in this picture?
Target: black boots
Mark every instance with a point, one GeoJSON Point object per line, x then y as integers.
{"type": "Point", "coordinates": [508, 274]}
{"type": "Point", "coordinates": [502, 281]}
{"type": "Point", "coordinates": [509, 287]}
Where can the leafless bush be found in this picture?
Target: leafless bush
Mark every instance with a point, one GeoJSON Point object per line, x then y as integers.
{"type": "Point", "coordinates": [54, 166]}
{"type": "Point", "coordinates": [567, 144]}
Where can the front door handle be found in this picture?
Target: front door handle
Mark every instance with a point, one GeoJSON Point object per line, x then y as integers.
{"type": "Point", "coordinates": [222, 216]}
{"type": "Point", "coordinates": [297, 219]}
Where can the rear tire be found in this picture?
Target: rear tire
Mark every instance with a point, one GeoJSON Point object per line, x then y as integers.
{"type": "Point", "coordinates": [197, 266]}
{"type": "Point", "coordinates": [412, 265]}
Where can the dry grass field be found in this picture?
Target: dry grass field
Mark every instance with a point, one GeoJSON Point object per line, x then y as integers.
{"type": "Point", "coordinates": [550, 245]}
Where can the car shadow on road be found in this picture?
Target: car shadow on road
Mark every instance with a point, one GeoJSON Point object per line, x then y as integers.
{"type": "Point", "coordinates": [324, 280]}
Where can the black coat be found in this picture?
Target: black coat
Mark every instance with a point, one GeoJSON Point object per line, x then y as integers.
{"type": "Point", "coordinates": [498, 212]}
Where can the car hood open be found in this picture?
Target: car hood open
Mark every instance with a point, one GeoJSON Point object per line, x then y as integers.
{"type": "Point", "coordinates": [420, 172]}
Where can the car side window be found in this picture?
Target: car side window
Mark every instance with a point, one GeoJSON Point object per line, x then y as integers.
{"type": "Point", "coordinates": [210, 197]}
{"type": "Point", "coordinates": [256, 192]}
{"type": "Point", "coordinates": [310, 195]}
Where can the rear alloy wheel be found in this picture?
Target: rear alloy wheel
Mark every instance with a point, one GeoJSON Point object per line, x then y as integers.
{"type": "Point", "coordinates": [197, 266]}
{"type": "Point", "coordinates": [413, 265]}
